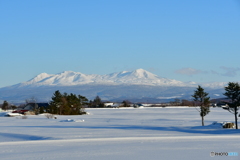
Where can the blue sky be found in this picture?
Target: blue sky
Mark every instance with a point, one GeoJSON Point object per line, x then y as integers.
{"type": "Point", "coordinates": [184, 40]}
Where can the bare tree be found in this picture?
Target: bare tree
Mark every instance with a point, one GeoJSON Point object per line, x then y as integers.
{"type": "Point", "coordinates": [33, 101]}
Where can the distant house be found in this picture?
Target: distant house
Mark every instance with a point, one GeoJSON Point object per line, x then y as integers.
{"type": "Point", "coordinates": [112, 105]}
{"type": "Point", "coordinates": [32, 107]}
{"type": "Point", "coordinates": [108, 104]}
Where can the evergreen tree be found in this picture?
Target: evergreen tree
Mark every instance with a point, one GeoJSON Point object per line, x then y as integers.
{"type": "Point", "coordinates": [233, 93]}
{"type": "Point", "coordinates": [41, 110]}
{"type": "Point", "coordinates": [126, 103]}
{"type": "Point", "coordinates": [56, 103]}
{"type": "Point", "coordinates": [5, 105]}
{"type": "Point", "coordinates": [83, 102]}
{"type": "Point", "coordinates": [201, 99]}
{"type": "Point", "coordinates": [97, 102]}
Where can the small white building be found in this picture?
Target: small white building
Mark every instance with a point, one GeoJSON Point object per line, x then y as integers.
{"type": "Point", "coordinates": [112, 105]}
{"type": "Point", "coordinates": [108, 104]}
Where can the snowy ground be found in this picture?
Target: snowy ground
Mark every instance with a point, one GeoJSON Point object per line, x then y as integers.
{"type": "Point", "coordinates": [116, 134]}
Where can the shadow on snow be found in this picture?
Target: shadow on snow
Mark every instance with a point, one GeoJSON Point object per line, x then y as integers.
{"type": "Point", "coordinates": [22, 136]}
{"type": "Point", "coordinates": [196, 129]}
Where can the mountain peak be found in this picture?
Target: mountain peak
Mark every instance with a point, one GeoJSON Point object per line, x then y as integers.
{"type": "Point", "coordinates": [69, 73]}
{"type": "Point", "coordinates": [40, 77]}
{"type": "Point", "coordinates": [140, 70]}
{"type": "Point", "coordinates": [141, 73]}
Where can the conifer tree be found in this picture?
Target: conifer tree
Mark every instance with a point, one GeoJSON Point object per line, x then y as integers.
{"type": "Point", "coordinates": [126, 103]}
{"type": "Point", "coordinates": [201, 99]}
{"type": "Point", "coordinates": [56, 103]}
{"type": "Point", "coordinates": [233, 93]}
{"type": "Point", "coordinates": [97, 102]}
{"type": "Point", "coordinates": [5, 105]}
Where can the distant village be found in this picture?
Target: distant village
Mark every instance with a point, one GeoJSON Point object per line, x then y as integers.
{"type": "Point", "coordinates": [31, 107]}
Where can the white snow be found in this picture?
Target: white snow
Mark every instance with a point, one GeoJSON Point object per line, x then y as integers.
{"type": "Point", "coordinates": [12, 114]}
{"type": "Point", "coordinates": [66, 78]}
{"type": "Point", "coordinates": [146, 133]}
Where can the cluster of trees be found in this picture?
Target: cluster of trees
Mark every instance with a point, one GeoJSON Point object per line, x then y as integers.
{"type": "Point", "coordinates": [126, 103]}
{"type": "Point", "coordinates": [6, 106]}
{"type": "Point", "coordinates": [96, 103]}
{"type": "Point", "coordinates": [67, 104]}
{"type": "Point", "coordinates": [183, 102]}
{"type": "Point", "coordinates": [232, 92]}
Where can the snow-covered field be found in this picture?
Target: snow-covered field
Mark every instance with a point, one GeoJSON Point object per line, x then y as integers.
{"type": "Point", "coordinates": [116, 134]}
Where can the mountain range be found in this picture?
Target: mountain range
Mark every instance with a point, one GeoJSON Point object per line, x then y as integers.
{"type": "Point", "coordinates": [137, 85]}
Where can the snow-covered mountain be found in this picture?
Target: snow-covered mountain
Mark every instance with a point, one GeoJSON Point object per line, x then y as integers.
{"type": "Point", "coordinates": [137, 85]}
{"type": "Point", "coordinates": [69, 78]}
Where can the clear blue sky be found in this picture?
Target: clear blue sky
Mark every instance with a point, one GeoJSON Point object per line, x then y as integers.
{"type": "Point", "coordinates": [186, 40]}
